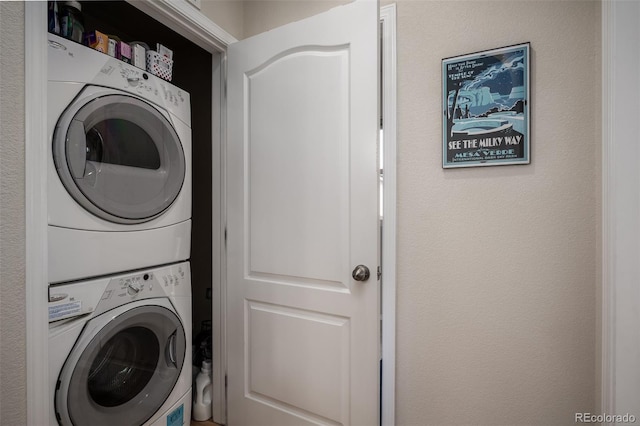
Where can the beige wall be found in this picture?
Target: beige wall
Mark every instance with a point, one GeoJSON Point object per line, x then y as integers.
{"type": "Point", "coordinates": [228, 14]}
{"type": "Point", "coordinates": [13, 394]}
{"type": "Point", "coordinates": [497, 267]}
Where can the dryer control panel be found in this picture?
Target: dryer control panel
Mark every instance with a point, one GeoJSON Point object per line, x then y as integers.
{"type": "Point", "coordinates": [117, 74]}
{"type": "Point", "coordinates": [72, 62]}
{"type": "Point", "coordinates": [103, 294]}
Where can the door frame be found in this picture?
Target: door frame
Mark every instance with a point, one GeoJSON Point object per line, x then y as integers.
{"type": "Point", "coordinates": [389, 129]}
{"type": "Point", "coordinates": [620, 346]}
{"type": "Point", "coordinates": [183, 18]}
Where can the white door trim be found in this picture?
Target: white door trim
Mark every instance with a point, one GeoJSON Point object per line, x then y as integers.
{"type": "Point", "coordinates": [620, 207]}
{"type": "Point", "coordinates": [218, 243]}
{"type": "Point", "coordinates": [388, 19]}
{"type": "Point", "coordinates": [184, 19]}
{"type": "Point", "coordinates": [608, 349]}
{"type": "Point", "coordinates": [37, 320]}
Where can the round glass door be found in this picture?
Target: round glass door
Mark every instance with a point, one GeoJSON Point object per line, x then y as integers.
{"type": "Point", "coordinates": [119, 157]}
{"type": "Point", "coordinates": [123, 366]}
{"type": "Point", "coordinates": [126, 371]}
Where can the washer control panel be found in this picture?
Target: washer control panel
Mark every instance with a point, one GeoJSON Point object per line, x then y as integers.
{"type": "Point", "coordinates": [101, 295]}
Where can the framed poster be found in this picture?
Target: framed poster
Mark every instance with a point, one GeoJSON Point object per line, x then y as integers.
{"type": "Point", "coordinates": [485, 102]}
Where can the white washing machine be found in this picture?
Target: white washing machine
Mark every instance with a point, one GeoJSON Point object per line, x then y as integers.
{"type": "Point", "coordinates": [120, 349]}
{"type": "Point", "coordinates": [119, 178]}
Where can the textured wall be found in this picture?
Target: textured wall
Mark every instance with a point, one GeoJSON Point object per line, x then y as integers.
{"type": "Point", "coordinates": [228, 14]}
{"type": "Point", "coordinates": [498, 267]}
{"type": "Point", "coordinates": [12, 212]}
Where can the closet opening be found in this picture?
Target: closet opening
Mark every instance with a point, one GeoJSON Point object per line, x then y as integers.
{"type": "Point", "coordinates": [192, 72]}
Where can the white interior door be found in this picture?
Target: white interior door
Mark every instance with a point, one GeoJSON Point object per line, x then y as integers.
{"type": "Point", "coordinates": [302, 333]}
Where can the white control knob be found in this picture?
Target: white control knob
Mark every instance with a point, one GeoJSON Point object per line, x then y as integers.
{"type": "Point", "coordinates": [133, 289]}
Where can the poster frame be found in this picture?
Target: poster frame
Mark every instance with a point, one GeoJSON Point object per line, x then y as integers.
{"type": "Point", "coordinates": [460, 69]}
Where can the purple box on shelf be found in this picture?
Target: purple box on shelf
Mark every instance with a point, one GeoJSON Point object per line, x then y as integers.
{"type": "Point", "coordinates": [123, 52]}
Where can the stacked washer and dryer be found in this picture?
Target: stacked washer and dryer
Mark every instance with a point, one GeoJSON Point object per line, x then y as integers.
{"type": "Point", "coordinates": [119, 210]}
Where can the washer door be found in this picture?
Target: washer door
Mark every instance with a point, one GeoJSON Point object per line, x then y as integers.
{"type": "Point", "coordinates": [118, 156]}
{"type": "Point", "coordinates": [122, 368]}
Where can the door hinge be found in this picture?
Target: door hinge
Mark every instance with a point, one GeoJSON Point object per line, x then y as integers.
{"type": "Point", "coordinates": [379, 272]}
{"type": "Point", "coordinates": [225, 237]}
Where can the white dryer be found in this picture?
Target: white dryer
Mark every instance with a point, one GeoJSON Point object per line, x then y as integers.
{"type": "Point", "coordinates": [120, 349]}
{"type": "Point", "coordinates": [119, 179]}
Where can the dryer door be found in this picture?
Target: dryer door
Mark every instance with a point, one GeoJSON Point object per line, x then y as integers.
{"type": "Point", "coordinates": [122, 368]}
{"type": "Point", "coordinates": [118, 156]}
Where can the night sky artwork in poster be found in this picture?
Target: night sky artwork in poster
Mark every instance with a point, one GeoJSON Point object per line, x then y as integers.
{"type": "Point", "coordinates": [486, 108]}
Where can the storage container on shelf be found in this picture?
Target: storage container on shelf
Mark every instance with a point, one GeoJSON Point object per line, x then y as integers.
{"type": "Point", "coordinates": [71, 22]}
{"type": "Point", "coordinates": [159, 65]}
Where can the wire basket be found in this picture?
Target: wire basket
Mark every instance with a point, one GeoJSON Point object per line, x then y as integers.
{"type": "Point", "coordinates": [159, 65]}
